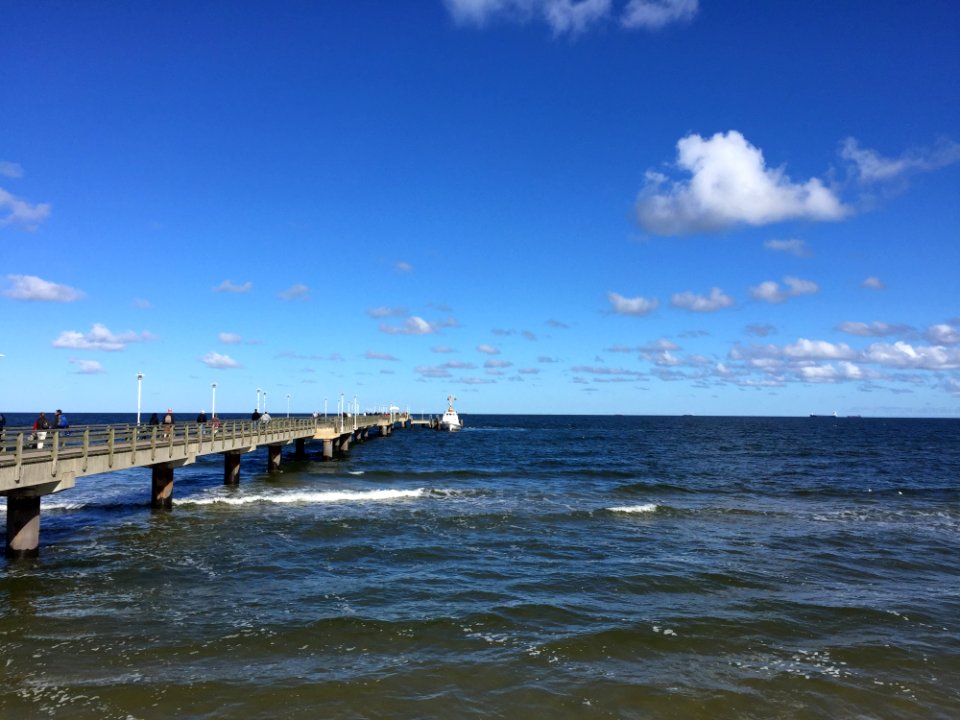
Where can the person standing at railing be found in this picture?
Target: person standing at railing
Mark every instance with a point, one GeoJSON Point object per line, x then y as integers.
{"type": "Point", "coordinates": [40, 427]}
{"type": "Point", "coordinates": [201, 421]}
{"type": "Point", "coordinates": [168, 423]}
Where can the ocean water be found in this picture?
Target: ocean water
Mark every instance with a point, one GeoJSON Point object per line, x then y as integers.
{"type": "Point", "coordinates": [526, 567]}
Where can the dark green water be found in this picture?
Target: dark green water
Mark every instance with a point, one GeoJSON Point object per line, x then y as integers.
{"type": "Point", "coordinates": [526, 567]}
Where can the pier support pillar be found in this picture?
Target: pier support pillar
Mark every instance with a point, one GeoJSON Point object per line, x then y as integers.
{"type": "Point", "coordinates": [162, 494]}
{"type": "Point", "coordinates": [344, 444]}
{"type": "Point", "coordinates": [231, 469]}
{"type": "Point", "coordinates": [23, 526]}
{"type": "Point", "coordinates": [328, 449]}
{"type": "Point", "coordinates": [300, 453]}
{"type": "Point", "coordinates": [273, 457]}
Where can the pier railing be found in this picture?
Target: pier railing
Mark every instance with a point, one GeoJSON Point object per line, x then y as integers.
{"type": "Point", "coordinates": [29, 457]}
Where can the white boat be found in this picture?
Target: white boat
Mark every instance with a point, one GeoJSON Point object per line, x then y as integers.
{"type": "Point", "coordinates": [450, 420]}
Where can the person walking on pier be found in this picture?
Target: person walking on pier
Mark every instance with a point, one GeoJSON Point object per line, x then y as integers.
{"type": "Point", "coordinates": [255, 415]}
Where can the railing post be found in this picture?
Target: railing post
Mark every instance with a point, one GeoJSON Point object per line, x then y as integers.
{"type": "Point", "coordinates": [110, 443]}
{"type": "Point", "coordinates": [86, 447]}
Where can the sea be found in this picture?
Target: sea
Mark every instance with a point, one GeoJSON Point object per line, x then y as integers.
{"type": "Point", "coordinates": [525, 567]}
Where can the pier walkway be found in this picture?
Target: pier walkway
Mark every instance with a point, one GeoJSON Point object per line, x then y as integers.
{"type": "Point", "coordinates": [34, 466]}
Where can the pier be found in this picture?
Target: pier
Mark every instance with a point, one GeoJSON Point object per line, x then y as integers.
{"type": "Point", "coordinates": [50, 462]}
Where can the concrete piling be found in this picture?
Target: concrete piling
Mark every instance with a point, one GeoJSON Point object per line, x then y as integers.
{"type": "Point", "coordinates": [23, 526]}
{"type": "Point", "coordinates": [162, 489]}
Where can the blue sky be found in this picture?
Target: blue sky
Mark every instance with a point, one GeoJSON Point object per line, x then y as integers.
{"type": "Point", "coordinates": [540, 206]}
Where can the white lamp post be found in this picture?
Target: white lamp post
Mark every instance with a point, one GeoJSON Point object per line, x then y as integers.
{"type": "Point", "coordinates": [288, 404]}
{"type": "Point", "coordinates": [324, 408]}
{"type": "Point", "coordinates": [139, 383]}
{"type": "Point", "coordinates": [258, 399]}
{"type": "Point", "coordinates": [213, 401]}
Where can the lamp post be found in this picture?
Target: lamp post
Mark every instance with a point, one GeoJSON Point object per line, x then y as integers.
{"type": "Point", "coordinates": [288, 404]}
{"type": "Point", "coordinates": [258, 399]}
{"type": "Point", "coordinates": [139, 383]}
{"type": "Point", "coordinates": [324, 408]}
{"type": "Point", "coordinates": [264, 400]}
{"type": "Point", "coordinates": [213, 401]}
{"type": "Point", "coordinates": [355, 409]}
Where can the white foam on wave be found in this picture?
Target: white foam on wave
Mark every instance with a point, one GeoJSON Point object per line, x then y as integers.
{"type": "Point", "coordinates": [308, 497]}
{"type": "Point", "coordinates": [635, 509]}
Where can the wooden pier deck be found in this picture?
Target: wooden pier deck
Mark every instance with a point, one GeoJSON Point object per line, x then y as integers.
{"type": "Point", "coordinates": [33, 467]}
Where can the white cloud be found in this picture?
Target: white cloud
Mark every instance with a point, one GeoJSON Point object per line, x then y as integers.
{"type": "Point", "coordinates": [654, 14]}
{"type": "Point", "coordinates": [873, 282]}
{"type": "Point", "coordinates": [717, 300]}
{"type": "Point", "coordinates": [229, 338]}
{"type": "Point", "coordinates": [943, 334]}
{"type": "Point", "coordinates": [88, 367]}
{"type": "Point", "coordinates": [402, 266]}
{"type": "Point", "coordinates": [903, 355]}
{"type": "Point", "coordinates": [295, 292]}
{"type": "Point", "coordinates": [792, 247]}
{"type": "Point", "coordinates": [442, 349]}
{"type": "Point", "coordinates": [414, 325]}
{"type": "Point", "coordinates": [804, 349]}
{"type": "Point", "coordinates": [729, 185]}
{"type": "Point", "coordinates": [487, 349]}
{"type": "Point", "coordinates": [497, 364]}
{"type": "Point", "coordinates": [218, 361]}
{"type": "Point", "coordinates": [632, 306]}
{"type": "Point", "coordinates": [30, 287]}
{"type": "Point", "coordinates": [227, 286]}
{"type": "Point", "coordinates": [871, 167]}
{"type": "Point", "coordinates": [11, 169]}
{"type": "Point", "coordinates": [574, 16]}
{"type": "Point", "coordinates": [21, 213]}
{"type": "Point", "coordinates": [99, 338]}
{"type": "Point", "coordinates": [771, 292]}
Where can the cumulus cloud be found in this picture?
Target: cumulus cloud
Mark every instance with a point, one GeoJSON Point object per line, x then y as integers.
{"type": "Point", "coordinates": [99, 338]}
{"type": "Point", "coordinates": [729, 185]}
{"type": "Point", "coordinates": [497, 364]}
{"type": "Point", "coordinates": [791, 247]}
{"type": "Point", "coordinates": [219, 362]}
{"type": "Point", "coordinates": [804, 349]}
{"type": "Point", "coordinates": [414, 325]}
{"type": "Point", "coordinates": [944, 334]}
{"type": "Point", "coordinates": [30, 287]}
{"type": "Point", "coordinates": [370, 355]}
{"type": "Point", "coordinates": [871, 167]}
{"type": "Point", "coordinates": [19, 213]}
{"type": "Point", "coordinates": [230, 287]}
{"type": "Point", "coordinates": [229, 338]}
{"type": "Point", "coordinates": [771, 292]}
{"type": "Point", "coordinates": [574, 16]}
{"type": "Point", "coordinates": [632, 306]}
{"type": "Point", "coordinates": [717, 300]}
{"type": "Point", "coordinates": [295, 292]}
{"type": "Point", "coordinates": [88, 367]}
{"type": "Point", "coordinates": [401, 266]}
{"type": "Point", "coordinates": [873, 283]}
{"type": "Point", "coordinates": [488, 349]}
{"type": "Point", "coordinates": [904, 355]}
